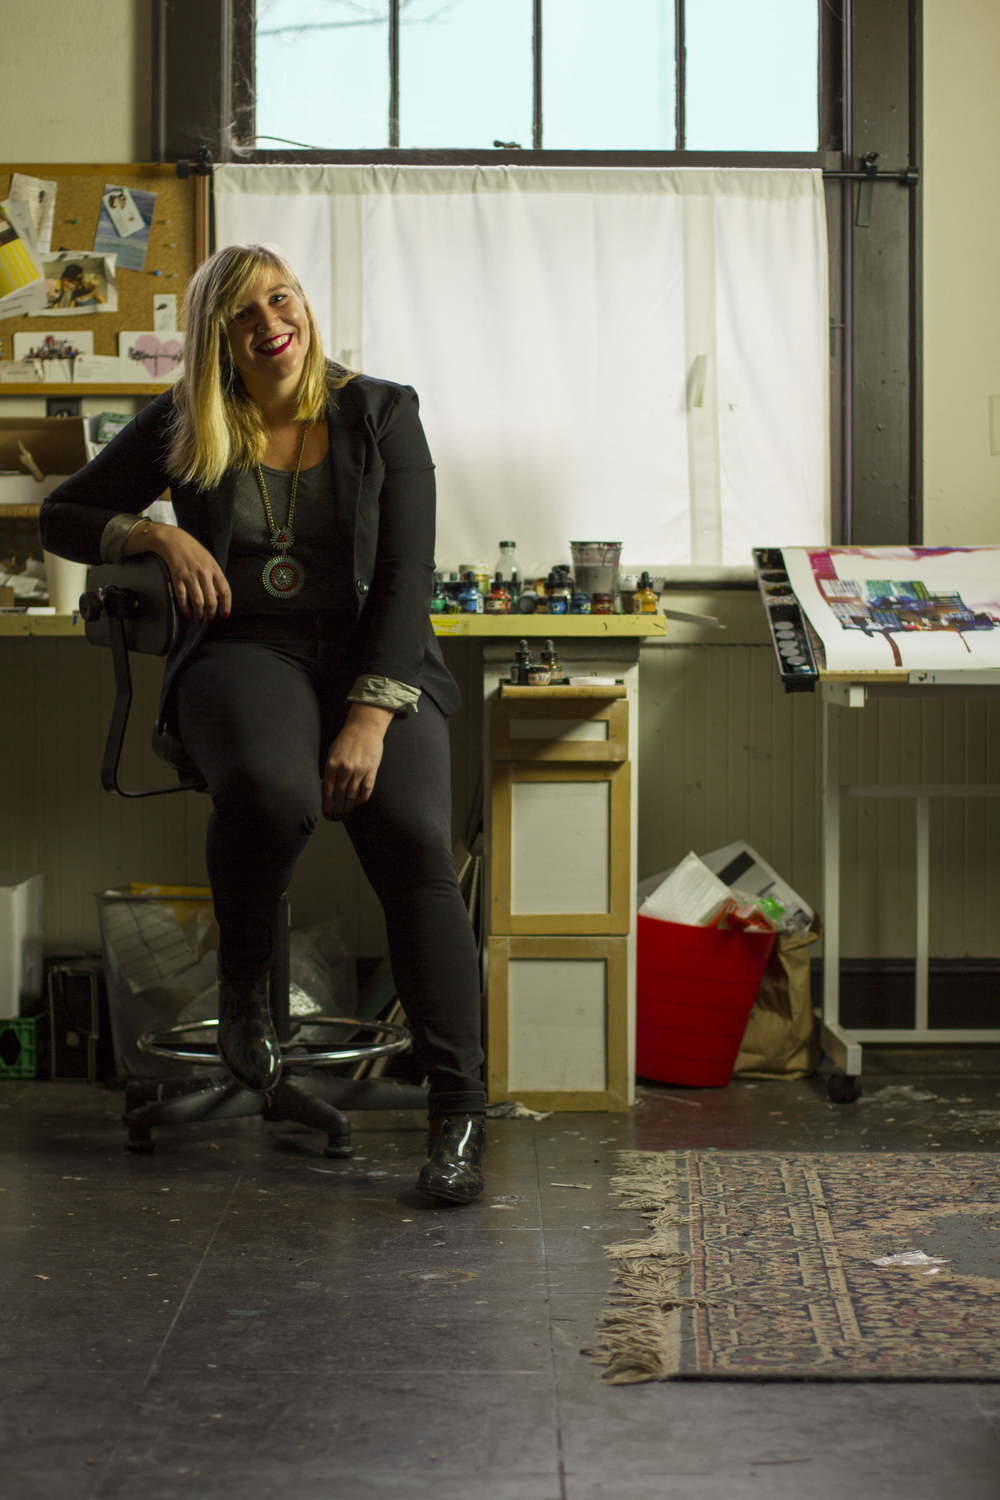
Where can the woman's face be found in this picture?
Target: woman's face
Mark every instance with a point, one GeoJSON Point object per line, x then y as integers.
{"type": "Point", "coordinates": [269, 331]}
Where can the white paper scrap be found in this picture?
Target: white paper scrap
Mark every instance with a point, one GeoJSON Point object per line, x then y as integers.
{"type": "Point", "coordinates": [913, 1260]}
{"type": "Point", "coordinates": [40, 198]}
{"type": "Point", "coordinates": [96, 368]}
{"type": "Point", "coordinates": [689, 895]}
{"type": "Point", "coordinates": [164, 312]}
{"type": "Point", "coordinates": [19, 371]}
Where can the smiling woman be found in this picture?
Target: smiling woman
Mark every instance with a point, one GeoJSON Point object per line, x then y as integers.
{"type": "Point", "coordinates": [307, 680]}
{"type": "Point", "coordinates": [246, 312]}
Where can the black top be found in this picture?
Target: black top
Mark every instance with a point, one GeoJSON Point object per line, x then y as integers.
{"type": "Point", "coordinates": [383, 477]}
{"type": "Point", "coordinates": [322, 547]}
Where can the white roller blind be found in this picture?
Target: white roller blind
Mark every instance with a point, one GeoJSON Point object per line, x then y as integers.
{"type": "Point", "coordinates": [636, 354]}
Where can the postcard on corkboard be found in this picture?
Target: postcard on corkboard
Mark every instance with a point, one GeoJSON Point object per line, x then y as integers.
{"type": "Point", "coordinates": [123, 225]}
{"type": "Point", "coordinates": [150, 356]}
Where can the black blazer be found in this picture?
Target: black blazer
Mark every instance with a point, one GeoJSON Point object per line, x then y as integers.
{"type": "Point", "coordinates": [383, 474]}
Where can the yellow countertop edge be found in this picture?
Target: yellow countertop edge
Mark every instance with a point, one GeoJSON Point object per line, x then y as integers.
{"type": "Point", "coordinates": [515, 626]}
{"type": "Point", "coordinates": [41, 625]}
{"type": "Point", "coordinates": [446, 626]}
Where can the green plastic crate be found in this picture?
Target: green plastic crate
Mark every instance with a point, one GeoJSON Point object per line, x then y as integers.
{"type": "Point", "coordinates": [18, 1047]}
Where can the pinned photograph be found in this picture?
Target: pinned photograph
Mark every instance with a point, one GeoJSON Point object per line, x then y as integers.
{"type": "Point", "coordinates": [125, 206]}
{"type": "Point", "coordinates": [78, 282]}
{"type": "Point", "coordinates": [150, 356]}
{"type": "Point", "coordinates": [22, 286]}
{"type": "Point", "coordinates": [54, 353]}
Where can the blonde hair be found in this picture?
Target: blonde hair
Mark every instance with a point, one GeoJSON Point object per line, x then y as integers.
{"type": "Point", "coordinates": [216, 424]}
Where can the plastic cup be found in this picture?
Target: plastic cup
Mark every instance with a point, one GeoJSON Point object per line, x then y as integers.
{"type": "Point", "coordinates": [595, 566]}
{"type": "Point", "coordinates": [66, 581]}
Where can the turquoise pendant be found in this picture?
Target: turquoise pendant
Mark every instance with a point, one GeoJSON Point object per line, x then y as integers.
{"type": "Point", "coordinates": [283, 577]}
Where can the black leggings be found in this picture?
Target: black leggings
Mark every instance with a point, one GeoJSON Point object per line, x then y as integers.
{"type": "Point", "coordinates": [258, 718]}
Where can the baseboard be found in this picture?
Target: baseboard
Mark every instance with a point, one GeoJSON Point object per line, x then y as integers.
{"type": "Point", "coordinates": [878, 992]}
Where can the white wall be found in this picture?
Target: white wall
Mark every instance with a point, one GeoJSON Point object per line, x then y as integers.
{"type": "Point", "coordinates": [75, 80]}
{"type": "Point", "coordinates": [961, 269]}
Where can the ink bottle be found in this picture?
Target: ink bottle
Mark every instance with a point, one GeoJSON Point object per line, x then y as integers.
{"type": "Point", "coordinates": [470, 600]}
{"type": "Point", "coordinates": [644, 598]}
{"type": "Point", "coordinates": [497, 601]}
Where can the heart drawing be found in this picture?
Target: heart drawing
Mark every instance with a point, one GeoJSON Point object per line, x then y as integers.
{"type": "Point", "coordinates": [157, 357]}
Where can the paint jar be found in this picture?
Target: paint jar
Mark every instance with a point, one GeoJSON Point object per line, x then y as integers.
{"type": "Point", "coordinates": [602, 605]}
{"type": "Point", "coordinates": [550, 659]}
{"type": "Point", "coordinates": [470, 599]}
{"type": "Point", "coordinates": [538, 676]}
{"type": "Point", "coordinates": [439, 598]}
{"type": "Point", "coordinates": [527, 602]}
{"type": "Point", "coordinates": [497, 601]}
{"type": "Point", "coordinates": [521, 665]}
{"type": "Point", "coordinates": [579, 604]}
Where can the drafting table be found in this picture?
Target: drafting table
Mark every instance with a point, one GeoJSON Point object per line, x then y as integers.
{"type": "Point", "coordinates": [802, 662]}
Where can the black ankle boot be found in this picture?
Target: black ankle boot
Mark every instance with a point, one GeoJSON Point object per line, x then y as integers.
{"type": "Point", "coordinates": [454, 1170]}
{"type": "Point", "coordinates": [245, 1039]}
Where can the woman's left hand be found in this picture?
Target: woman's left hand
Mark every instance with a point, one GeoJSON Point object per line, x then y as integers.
{"type": "Point", "coordinates": [354, 759]}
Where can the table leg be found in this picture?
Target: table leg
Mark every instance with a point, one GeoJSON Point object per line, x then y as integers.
{"type": "Point", "coordinates": [923, 910]}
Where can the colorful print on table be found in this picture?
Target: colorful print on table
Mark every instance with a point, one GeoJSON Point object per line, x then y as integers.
{"type": "Point", "coordinates": [150, 357]}
{"type": "Point", "coordinates": [915, 608]}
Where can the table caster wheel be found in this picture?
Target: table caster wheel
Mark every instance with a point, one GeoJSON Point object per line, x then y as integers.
{"type": "Point", "coordinates": [843, 1088]}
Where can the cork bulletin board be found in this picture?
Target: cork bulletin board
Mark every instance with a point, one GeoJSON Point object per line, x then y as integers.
{"type": "Point", "coordinates": [171, 251]}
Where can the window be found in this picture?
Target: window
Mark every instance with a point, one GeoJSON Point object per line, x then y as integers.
{"type": "Point", "coordinates": [559, 75]}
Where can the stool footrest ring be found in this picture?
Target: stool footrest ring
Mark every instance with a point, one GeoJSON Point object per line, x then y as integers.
{"type": "Point", "coordinates": [163, 1043]}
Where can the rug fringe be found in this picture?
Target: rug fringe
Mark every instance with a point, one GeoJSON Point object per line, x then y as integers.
{"type": "Point", "coordinates": [640, 1323]}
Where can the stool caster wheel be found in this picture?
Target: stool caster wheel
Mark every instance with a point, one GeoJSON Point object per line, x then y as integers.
{"type": "Point", "coordinates": [843, 1088]}
{"type": "Point", "coordinates": [337, 1147]}
{"type": "Point", "coordinates": [140, 1141]}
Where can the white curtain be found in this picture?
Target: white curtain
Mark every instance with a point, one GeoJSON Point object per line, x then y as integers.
{"type": "Point", "coordinates": [630, 354]}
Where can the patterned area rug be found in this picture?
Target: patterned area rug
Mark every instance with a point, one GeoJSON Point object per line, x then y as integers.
{"type": "Point", "coordinates": [759, 1266]}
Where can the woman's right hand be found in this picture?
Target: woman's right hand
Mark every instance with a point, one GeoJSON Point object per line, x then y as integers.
{"type": "Point", "coordinates": [200, 586]}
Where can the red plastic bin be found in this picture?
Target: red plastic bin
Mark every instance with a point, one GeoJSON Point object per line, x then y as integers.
{"type": "Point", "coordinates": [696, 987]}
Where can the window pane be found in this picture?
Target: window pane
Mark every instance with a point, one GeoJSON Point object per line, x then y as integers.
{"type": "Point", "coordinates": [323, 72]}
{"type": "Point", "coordinates": [465, 73]}
{"type": "Point", "coordinates": [752, 75]}
{"type": "Point", "coordinates": [608, 75]}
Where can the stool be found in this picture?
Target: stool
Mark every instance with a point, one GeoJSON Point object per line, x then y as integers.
{"type": "Point", "coordinates": [150, 1102]}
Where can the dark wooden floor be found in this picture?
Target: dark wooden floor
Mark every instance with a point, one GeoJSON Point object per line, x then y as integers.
{"type": "Point", "coordinates": [237, 1316]}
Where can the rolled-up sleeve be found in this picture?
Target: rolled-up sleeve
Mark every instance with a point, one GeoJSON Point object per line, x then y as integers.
{"type": "Point", "coordinates": [114, 536]}
{"type": "Point", "coordinates": [382, 692]}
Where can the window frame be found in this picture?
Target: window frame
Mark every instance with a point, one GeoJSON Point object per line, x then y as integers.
{"type": "Point", "coordinates": [870, 99]}
{"type": "Point", "coordinates": [242, 25]}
